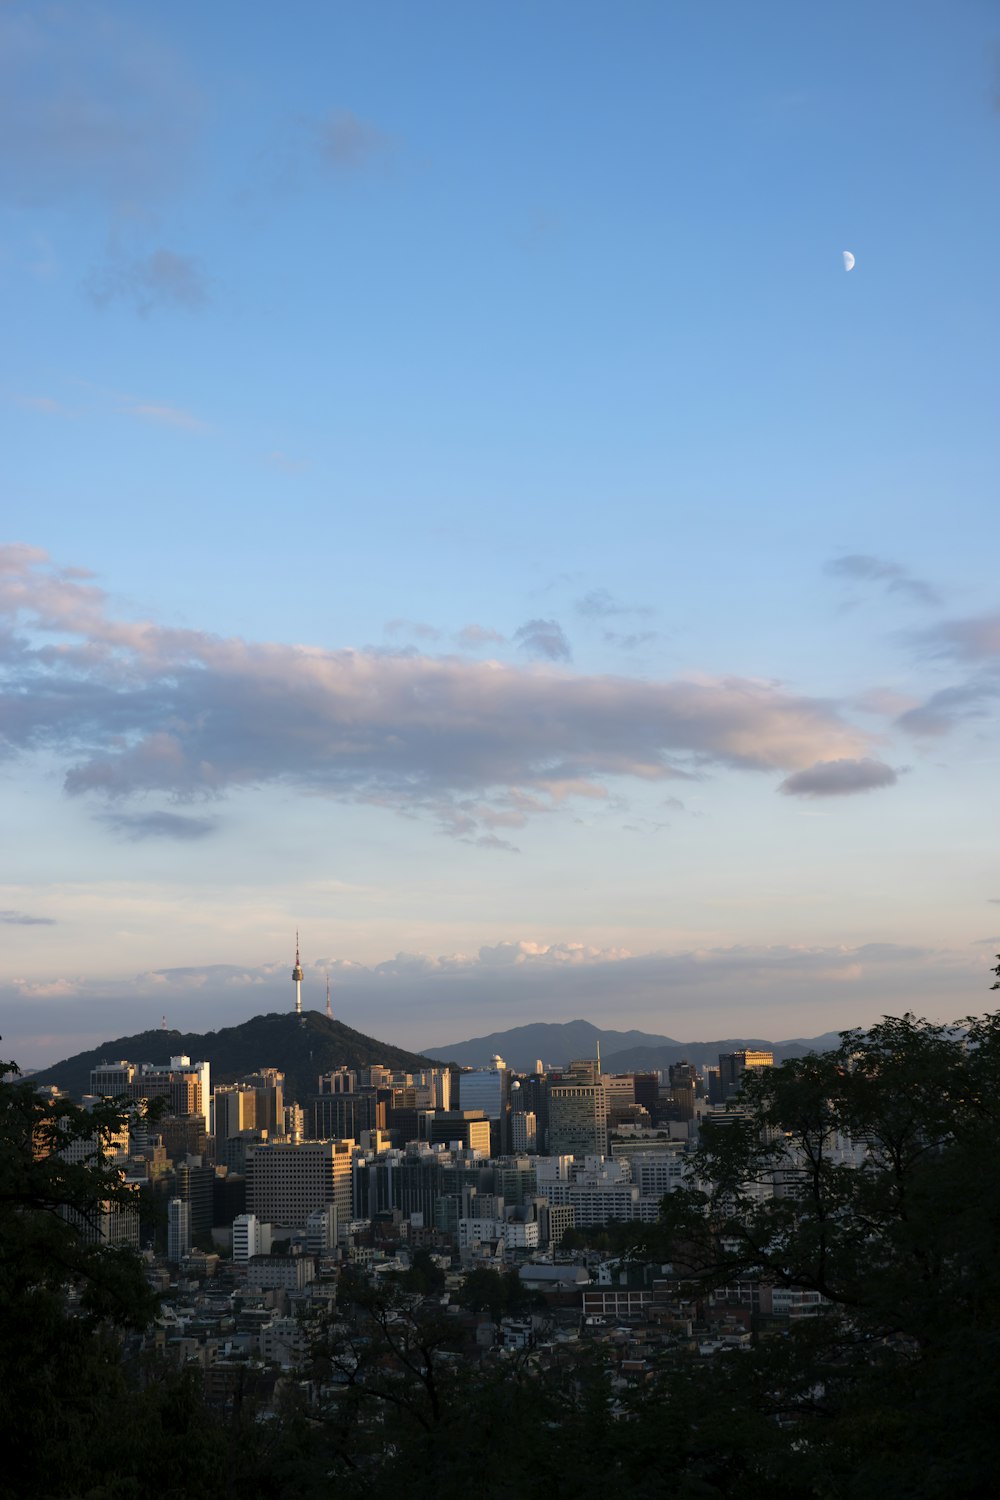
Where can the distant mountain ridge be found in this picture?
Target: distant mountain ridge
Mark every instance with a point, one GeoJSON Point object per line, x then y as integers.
{"type": "Point", "coordinates": [558, 1043]}
{"type": "Point", "coordinates": [300, 1048]}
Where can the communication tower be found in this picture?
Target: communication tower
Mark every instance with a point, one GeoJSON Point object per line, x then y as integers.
{"type": "Point", "coordinates": [297, 977]}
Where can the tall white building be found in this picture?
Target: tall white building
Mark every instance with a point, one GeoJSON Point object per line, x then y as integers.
{"type": "Point", "coordinates": [250, 1237]}
{"type": "Point", "coordinates": [524, 1131]}
{"type": "Point", "coordinates": [178, 1230]}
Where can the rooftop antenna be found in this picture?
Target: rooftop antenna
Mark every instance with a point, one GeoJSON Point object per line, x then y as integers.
{"type": "Point", "coordinates": [598, 1059]}
{"type": "Point", "coordinates": [329, 1008]}
{"type": "Point", "coordinates": [297, 976]}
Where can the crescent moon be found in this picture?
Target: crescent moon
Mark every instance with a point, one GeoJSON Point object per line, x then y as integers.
{"type": "Point", "coordinates": [848, 261]}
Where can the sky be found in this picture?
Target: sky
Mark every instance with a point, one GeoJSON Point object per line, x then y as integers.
{"type": "Point", "coordinates": [456, 504]}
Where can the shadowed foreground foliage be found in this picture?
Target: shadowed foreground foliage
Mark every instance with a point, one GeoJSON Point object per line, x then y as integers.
{"type": "Point", "coordinates": [886, 1150]}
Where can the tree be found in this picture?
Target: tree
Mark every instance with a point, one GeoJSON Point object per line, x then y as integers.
{"type": "Point", "coordinates": [860, 1174]}
{"type": "Point", "coordinates": [66, 1297]}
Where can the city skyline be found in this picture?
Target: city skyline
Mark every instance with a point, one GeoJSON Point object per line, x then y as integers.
{"type": "Point", "coordinates": [458, 505]}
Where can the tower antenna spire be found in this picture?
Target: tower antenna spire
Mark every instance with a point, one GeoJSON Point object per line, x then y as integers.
{"type": "Point", "coordinates": [297, 976]}
{"type": "Point", "coordinates": [329, 1008]}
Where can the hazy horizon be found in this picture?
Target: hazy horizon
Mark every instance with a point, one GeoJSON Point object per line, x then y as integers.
{"type": "Point", "coordinates": [458, 504]}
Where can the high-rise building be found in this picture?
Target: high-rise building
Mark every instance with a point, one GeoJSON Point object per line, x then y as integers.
{"type": "Point", "coordinates": [111, 1078]}
{"type": "Point", "coordinates": [321, 1231]}
{"type": "Point", "coordinates": [578, 1118]}
{"type": "Point", "coordinates": [235, 1109]}
{"type": "Point", "coordinates": [343, 1116]}
{"type": "Point", "coordinates": [683, 1087]}
{"type": "Point", "coordinates": [287, 1181]}
{"type": "Point", "coordinates": [268, 1085]}
{"type": "Point", "coordinates": [112, 1222]}
{"type": "Point", "coordinates": [488, 1089]}
{"type": "Point", "coordinates": [250, 1238]}
{"type": "Point", "coordinates": [340, 1081]}
{"type": "Point", "coordinates": [524, 1131]}
{"type": "Point", "coordinates": [733, 1065]}
{"type": "Point", "coordinates": [178, 1230]}
{"type": "Point", "coordinates": [194, 1184]}
{"type": "Point", "coordinates": [468, 1128]}
{"type": "Point", "coordinates": [185, 1085]}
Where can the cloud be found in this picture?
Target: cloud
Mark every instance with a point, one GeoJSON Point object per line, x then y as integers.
{"type": "Point", "coordinates": [543, 638]}
{"type": "Point", "coordinates": [25, 919]}
{"type": "Point", "coordinates": [418, 628]}
{"type": "Point", "coordinates": [481, 747]}
{"type": "Point", "coordinates": [92, 107]}
{"type": "Point", "coordinates": [473, 637]}
{"type": "Point", "coordinates": [167, 416]}
{"type": "Point", "coordinates": [159, 825]}
{"type": "Point", "coordinates": [45, 404]}
{"type": "Point", "coordinates": [284, 462]}
{"type": "Point", "coordinates": [161, 279]}
{"type": "Point", "coordinates": [838, 778]}
{"type": "Point", "coordinates": [861, 568]}
{"type": "Point", "coordinates": [974, 639]}
{"type": "Point", "coordinates": [347, 143]}
{"type": "Point", "coordinates": [633, 641]}
{"type": "Point", "coordinates": [598, 604]}
{"type": "Point", "coordinates": [424, 998]}
{"type": "Point", "coordinates": [949, 706]}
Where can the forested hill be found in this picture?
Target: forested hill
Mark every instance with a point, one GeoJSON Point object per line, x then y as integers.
{"type": "Point", "coordinates": [300, 1048]}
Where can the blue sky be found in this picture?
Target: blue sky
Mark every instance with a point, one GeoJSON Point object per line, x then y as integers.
{"type": "Point", "coordinates": [457, 503]}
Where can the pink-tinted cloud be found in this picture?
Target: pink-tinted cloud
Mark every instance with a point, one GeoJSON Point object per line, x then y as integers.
{"type": "Point", "coordinates": [479, 746]}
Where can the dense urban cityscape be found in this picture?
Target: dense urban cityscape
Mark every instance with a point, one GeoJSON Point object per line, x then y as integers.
{"type": "Point", "coordinates": [336, 1282]}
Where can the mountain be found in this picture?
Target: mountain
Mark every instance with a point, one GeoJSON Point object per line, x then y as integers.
{"type": "Point", "coordinates": [621, 1051]}
{"type": "Point", "coordinates": [651, 1059]}
{"type": "Point", "coordinates": [300, 1048]}
{"type": "Point", "coordinates": [553, 1042]}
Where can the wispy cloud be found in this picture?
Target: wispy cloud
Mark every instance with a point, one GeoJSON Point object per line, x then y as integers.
{"type": "Point", "coordinates": [976, 638]}
{"type": "Point", "coordinates": [599, 604]}
{"type": "Point", "coordinates": [839, 778]}
{"type": "Point", "coordinates": [161, 279]}
{"type": "Point", "coordinates": [418, 628]}
{"type": "Point", "coordinates": [475, 637]}
{"type": "Point", "coordinates": [479, 746]}
{"type": "Point", "coordinates": [631, 641]}
{"type": "Point", "coordinates": [973, 642]}
{"type": "Point", "coordinates": [860, 567]}
{"type": "Point", "coordinates": [346, 143]}
{"type": "Point", "coordinates": [544, 638]}
{"type": "Point", "coordinates": [47, 405]}
{"type": "Point", "coordinates": [159, 825]}
{"type": "Point", "coordinates": [25, 919]}
{"type": "Point", "coordinates": [92, 106]}
{"type": "Point", "coordinates": [166, 416]}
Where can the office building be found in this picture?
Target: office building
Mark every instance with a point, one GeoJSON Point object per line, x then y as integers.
{"type": "Point", "coordinates": [464, 1128]}
{"type": "Point", "coordinates": [488, 1089]}
{"type": "Point", "coordinates": [178, 1230]}
{"type": "Point", "coordinates": [578, 1118]}
{"type": "Point", "coordinates": [733, 1066]}
{"type": "Point", "coordinates": [524, 1131]}
{"type": "Point", "coordinates": [287, 1181]}
{"type": "Point", "coordinates": [250, 1238]}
